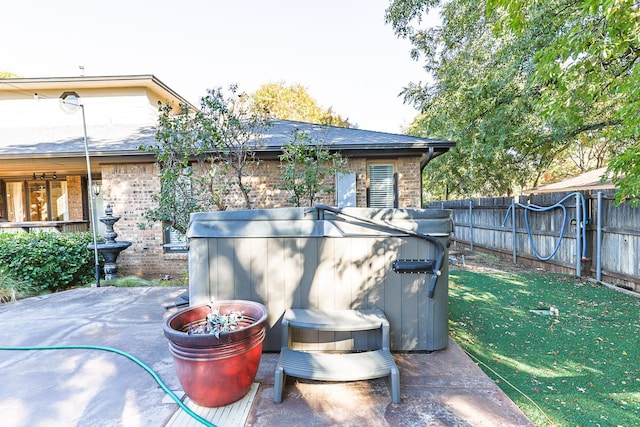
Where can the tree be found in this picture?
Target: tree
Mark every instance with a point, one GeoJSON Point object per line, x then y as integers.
{"type": "Point", "coordinates": [293, 102]}
{"type": "Point", "coordinates": [7, 74]}
{"type": "Point", "coordinates": [524, 86]}
{"type": "Point", "coordinates": [231, 129]}
{"type": "Point", "coordinates": [203, 155]}
{"type": "Point", "coordinates": [174, 154]}
{"type": "Point", "coordinates": [305, 166]}
{"type": "Point", "coordinates": [589, 74]}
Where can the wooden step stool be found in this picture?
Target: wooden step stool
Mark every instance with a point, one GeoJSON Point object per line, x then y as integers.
{"type": "Point", "coordinates": [335, 366]}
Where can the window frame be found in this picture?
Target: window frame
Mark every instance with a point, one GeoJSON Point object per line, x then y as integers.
{"type": "Point", "coordinates": [26, 185]}
{"type": "Point", "coordinates": [394, 185]}
{"type": "Point", "coordinates": [4, 208]}
{"type": "Point", "coordinates": [179, 245]}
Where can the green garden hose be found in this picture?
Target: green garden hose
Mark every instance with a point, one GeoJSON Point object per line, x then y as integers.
{"type": "Point", "coordinates": [155, 376]}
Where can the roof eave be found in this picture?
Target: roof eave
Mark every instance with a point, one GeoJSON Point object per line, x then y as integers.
{"type": "Point", "coordinates": [423, 152]}
{"type": "Point", "coordinates": [82, 82]}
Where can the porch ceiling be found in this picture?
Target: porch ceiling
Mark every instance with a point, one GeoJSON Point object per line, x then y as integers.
{"type": "Point", "coordinates": [62, 166]}
{"type": "Point", "coordinates": [25, 167]}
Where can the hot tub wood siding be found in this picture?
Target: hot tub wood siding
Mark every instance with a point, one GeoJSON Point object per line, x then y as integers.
{"type": "Point", "coordinates": [325, 273]}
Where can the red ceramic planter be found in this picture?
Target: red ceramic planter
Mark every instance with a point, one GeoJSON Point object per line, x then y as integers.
{"type": "Point", "coordinates": [217, 371]}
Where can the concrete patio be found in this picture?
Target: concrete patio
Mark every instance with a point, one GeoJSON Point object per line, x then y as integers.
{"type": "Point", "coordinates": [80, 387]}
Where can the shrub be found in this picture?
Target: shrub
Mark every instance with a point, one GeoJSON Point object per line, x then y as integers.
{"type": "Point", "coordinates": [129, 282]}
{"type": "Point", "coordinates": [47, 261]}
{"type": "Point", "coordinates": [12, 289]}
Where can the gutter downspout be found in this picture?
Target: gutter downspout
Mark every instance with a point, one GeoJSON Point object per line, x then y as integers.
{"type": "Point", "coordinates": [423, 164]}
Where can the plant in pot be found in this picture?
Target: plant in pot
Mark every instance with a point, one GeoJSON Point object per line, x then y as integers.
{"type": "Point", "coordinates": [216, 349]}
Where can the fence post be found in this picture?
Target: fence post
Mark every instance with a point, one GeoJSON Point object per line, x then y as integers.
{"type": "Point", "coordinates": [471, 224]}
{"type": "Point", "coordinates": [578, 237]}
{"type": "Point", "coordinates": [513, 228]}
{"type": "Point", "coordinates": [599, 239]}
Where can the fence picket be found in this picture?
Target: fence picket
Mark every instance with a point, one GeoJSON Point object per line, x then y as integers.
{"type": "Point", "coordinates": [482, 227]}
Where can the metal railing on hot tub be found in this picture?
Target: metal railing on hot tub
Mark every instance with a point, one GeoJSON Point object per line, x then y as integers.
{"type": "Point", "coordinates": [402, 266]}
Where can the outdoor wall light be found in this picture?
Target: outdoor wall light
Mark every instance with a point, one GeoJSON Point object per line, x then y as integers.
{"type": "Point", "coordinates": [43, 176]}
{"type": "Point", "coordinates": [95, 188]}
{"type": "Point", "coordinates": [70, 102]}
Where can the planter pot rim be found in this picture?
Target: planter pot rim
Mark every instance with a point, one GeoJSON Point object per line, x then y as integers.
{"type": "Point", "coordinates": [219, 353]}
{"type": "Point", "coordinates": [256, 312]}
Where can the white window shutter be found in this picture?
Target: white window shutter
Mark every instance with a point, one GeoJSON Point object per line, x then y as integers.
{"type": "Point", "coordinates": [345, 189]}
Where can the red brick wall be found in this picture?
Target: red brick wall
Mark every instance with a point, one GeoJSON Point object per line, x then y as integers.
{"type": "Point", "coordinates": [359, 167]}
{"type": "Point", "coordinates": [128, 188]}
{"type": "Point", "coordinates": [408, 169]}
{"type": "Point", "coordinates": [75, 196]}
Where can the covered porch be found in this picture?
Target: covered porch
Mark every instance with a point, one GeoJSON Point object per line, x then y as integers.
{"type": "Point", "coordinates": [46, 194]}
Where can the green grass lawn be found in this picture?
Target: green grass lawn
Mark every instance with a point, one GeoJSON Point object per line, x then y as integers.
{"type": "Point", "coordinates": [581, 368]}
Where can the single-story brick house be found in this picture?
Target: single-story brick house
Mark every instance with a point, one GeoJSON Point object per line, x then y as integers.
{"type": "Point", "coordinates": [43, 170]}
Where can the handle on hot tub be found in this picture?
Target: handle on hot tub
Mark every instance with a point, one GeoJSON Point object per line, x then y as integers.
{"type": "Point", "coordinates": [439, 246]}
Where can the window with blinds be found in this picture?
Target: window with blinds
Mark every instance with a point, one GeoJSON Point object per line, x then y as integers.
{"type": "Point", "coordinates": [381, 186]}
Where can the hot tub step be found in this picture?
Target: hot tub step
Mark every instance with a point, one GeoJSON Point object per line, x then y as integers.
{"type": "Point", "coordinates": [376, 363]}
{"type": "Point", "coordinates": [335, 320]}
{"type": "Point", "coordinates": [337, 366]}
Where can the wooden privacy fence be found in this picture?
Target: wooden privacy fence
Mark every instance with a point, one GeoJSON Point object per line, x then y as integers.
{"type": "Point", "coordinates": [604, 246]}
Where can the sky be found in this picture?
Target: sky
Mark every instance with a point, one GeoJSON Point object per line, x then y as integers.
{"type": "Point", "coordinates": [341, 51]}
